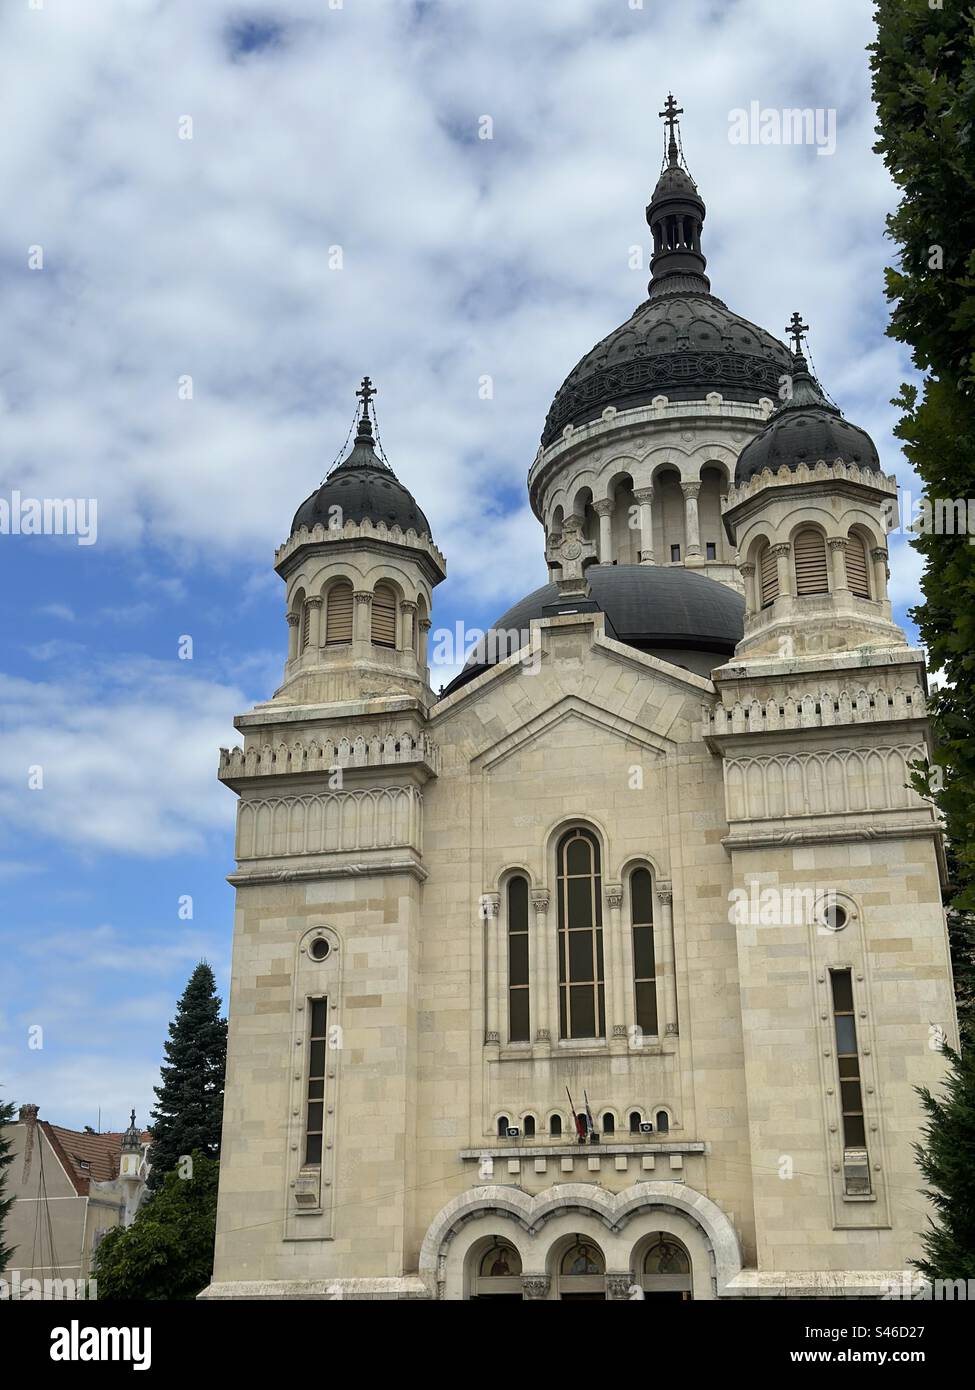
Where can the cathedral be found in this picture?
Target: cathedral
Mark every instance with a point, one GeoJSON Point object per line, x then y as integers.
{"type": "Point", "coordinates": [610, 970]}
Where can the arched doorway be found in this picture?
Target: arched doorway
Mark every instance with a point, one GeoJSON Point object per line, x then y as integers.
{"type": "Point", "coordinates": [496, 1271]}
{"type": "Point", "coordinates": [581, 1271]}
{"type": "Point", "coordinates": [665, 1269]}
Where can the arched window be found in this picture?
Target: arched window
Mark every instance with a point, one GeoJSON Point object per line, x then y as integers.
{"type": "Point", "coordinates": [636, 1119]}
{"type": "Point", "coordinates": [528, 1126]}
{"type": "Point", "coordinates": [644, 964]}
{"type": "Point", "coordinates": [768, 577]}
{"type": "Point", "coordinates": [582, 1258]}
{"type": "Point", "coordinates": [500, 1261]}
{"type": "Point", "coordinates": [663, 1122]}
{"type": "Point", "coordinates": [384, 616]}
{"type": "Point", "coordinates": [609, 1123]}
{"type": "Point", "coordinates": [666, 1257]}
{"type": "Point", "coordinates": [857, 568]}
{"type": "Point", "coordinates": [338, 614]}
{"type": "Point", "coordinates": [519, 1023]}
{"type": "Point", "coordinates": [503, 1126]}
{"type": "Point", "coordinates": [582, 1009]}
{"type": "Point", "coordinates": [555, 1125]}
{"type": "Point", "coordinates": [305, 625]}
{"type": "Point", "coordinates": [809, 551]}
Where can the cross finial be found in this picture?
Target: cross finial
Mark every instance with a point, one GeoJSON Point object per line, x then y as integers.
{"type": "Point", "coordinates": [132, 1120]}
{"type": "Point", "coordinates": [670, 113]}
{"type": "Point", "coordinates": [365, 394]}
{"type": "Point", "coordinates": [795, 329]}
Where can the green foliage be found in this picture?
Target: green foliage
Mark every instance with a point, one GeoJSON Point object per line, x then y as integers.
{"type": "Point", "coordinates": [7, 1117]}
{"type": "Point", "coordinates": [947, 1160]}
{"type": "Point", "coordinates": [189, 1112]}
{"type": "Point", "coordinates": [923, 66]}
{"type": "Point", "coordinates": [167, 1252]}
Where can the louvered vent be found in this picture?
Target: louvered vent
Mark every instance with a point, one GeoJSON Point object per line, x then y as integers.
{"type": "Point", "coordinates": [810, 554]}
{"type": "Point", "coordinates": [338, 615]}
{"type": "Point", "coordinates": [768, 571]}
{"type": "Point", "coordinates": [857, 576]}
{"type": "Point", "coordinates": [384, 617]}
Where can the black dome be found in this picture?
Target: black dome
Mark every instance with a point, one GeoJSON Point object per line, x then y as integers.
{"type": "Point", "coordinates": [805, 429]}
{"type": "Point", "coordinates": [364, 488]}
{"type": "Point", "coordinates": [680, 344]}
{"type": "Point", "coordinates": [646, 606]}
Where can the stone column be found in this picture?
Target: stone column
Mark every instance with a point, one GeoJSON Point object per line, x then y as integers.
{"type": "Point", "coordinates": [424, 626]}
{"type": "Point", "coordinates": [315, 625]}
{"type": "Point", "coordinates": [614, 956]}
{"type": "Point", "coordinates": [880, 572]}
{"type": "Point", "coordinates": [490, 912]}
{"type": "Point", "coordinates": [668, 965]}
{"type": "Point", "coordinates": [692, 531]}
{"type": "Point", "coordinates": [535, 1286]}
{"type": "Point", "coordinates": [293, 620]}
{"type": "Point", "coordinates": [837, 552]}
{"type": "Point", "coordinates": [604, 510]}
{"type": "Point", "coordinates": [362, 617]}
{"type": "Point", "coordinates": [747, 571]}
{"type": "Point", "coordinates": [783, 554]}
{"type": "Point", "coordinates": [544, 985]}
{"type": "Point", "coordinates": [407, 621]}
{"type": "Point", "coordinates": [644, 497]}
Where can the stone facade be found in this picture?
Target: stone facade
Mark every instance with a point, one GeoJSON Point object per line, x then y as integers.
{"type": "Point", "coordinates": [760, 917]}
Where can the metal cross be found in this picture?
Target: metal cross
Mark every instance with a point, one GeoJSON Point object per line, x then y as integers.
{"type": "Point", "coordinates": [365, 393]}
{"type": "Point", "coordinates": [670, 112]}
{"type": "Point", "coordinates": [795, 329]}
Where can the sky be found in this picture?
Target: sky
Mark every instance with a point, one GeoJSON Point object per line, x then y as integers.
{"type": "Point", "coordinates": [217, 219]}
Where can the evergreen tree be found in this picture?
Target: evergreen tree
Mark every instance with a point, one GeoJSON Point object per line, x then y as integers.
{"type": "Point", "coordinates": [167, 1252]}
{"type": "Point", "coordinates": [7, 1115]}
{"type": "Point", "coordinates": [923, 65]}
{"type": "Point", "coordinates": [947, 1160]}
{"type": "Point", "coordinates": [189, 1111]}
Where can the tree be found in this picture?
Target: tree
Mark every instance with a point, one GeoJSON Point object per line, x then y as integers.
{"type": "Point", "coordinates": [189, 1111]}
{"type": "Point", "coordinates": [7, 1112]}
{"type": "Point", "coordinates": [167, 1252]}
{"type": "Point", "coordinates": [923, 64]}
{"type": "Point", "coordinates": [947, 1160]}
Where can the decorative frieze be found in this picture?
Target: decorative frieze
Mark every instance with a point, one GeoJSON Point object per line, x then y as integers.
{"type": "Point", "coordinates": [359, 531]}
{"type": "Point", "coordinates": [822, 469]}
{"type": "Point", "coordinates": [323, 755]}
{"type": "Point", "coordinates": [330, 823]}
{"type": "Point", "coordinates": [816, 711]}
{"type": "Point", "coordinates": [833, 782]}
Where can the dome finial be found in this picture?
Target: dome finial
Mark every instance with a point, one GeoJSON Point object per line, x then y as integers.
{"type": "Point", "coordinates": [365, 394]}
{"type": "Point", "coordinates": [670, 113]}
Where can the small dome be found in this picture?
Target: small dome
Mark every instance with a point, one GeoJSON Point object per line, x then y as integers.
{"type": "Point", "coordinates": [362, 488]}
{"type": "Point", "coordinates": [656, 607]}
{"type": "Point", "coordinates": [805, 429]}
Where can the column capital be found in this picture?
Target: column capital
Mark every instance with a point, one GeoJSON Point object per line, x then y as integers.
{"type": "Point", "coordinates": [618, 1286]}
{"type": "Point", "coordinates": [540, 899]}
{"type": "Point", "coordinates": [407, 605]}
{"type": "Point", "coordinates": [424, 624]}
{"type": "Point", "coordinates": [363, 596]}
{"type": "Point", "coordinates": [643, 495]}
{"type": "Point", "coordinates": [780, 548]}
{"type": "Point", "coordinates": [747, 569]}
{"type": "Point", "coordinates": [490, 904]}
{"type": "Point", "coordinates": [535, 1285]}
{"type": "Point", "coordinates": [294, 619]}
{"type": "Point", "coordinates": [836, 542]}
{"type": "Point", "coordinates": [879, 552]}
{"type": "Point", "coordinates": [614, 894]}
{"type": "Point", "coordinates": [665, 891]}
{"type": "Point", "coordinates": [315, 601]}
{"type": "Point", "coordinates": [604, 507]}
{"type": "Point", "coordinates": [691, 488]}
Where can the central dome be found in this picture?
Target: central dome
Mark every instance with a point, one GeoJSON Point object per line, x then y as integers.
{"type": "Point", "coordinates": [680, 344]}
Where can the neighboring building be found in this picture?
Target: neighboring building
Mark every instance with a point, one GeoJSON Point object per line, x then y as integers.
{"type": "Point", "coordinates": [656, 845]}
{"type": "Point", "coordinates": [69, 1189]}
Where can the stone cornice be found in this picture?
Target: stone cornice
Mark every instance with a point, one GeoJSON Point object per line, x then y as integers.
{"type": "Point", "coordinates": [832, 472]}
{"type": "Point", "coordinates": [353, 869]}
{"type": "Point", "coordinates": [815, 710]}
{"type": "Point", "coordinates": [322, 755]}
{"type": "Point", "coordinates": [361, 532]}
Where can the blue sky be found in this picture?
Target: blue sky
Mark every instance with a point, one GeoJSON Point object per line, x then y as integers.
{"type": "Point", "coordinates": [316, 127]}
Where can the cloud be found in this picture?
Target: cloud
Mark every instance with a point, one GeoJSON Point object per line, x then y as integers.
{"type": "Point", "coordinates": [127, 755]}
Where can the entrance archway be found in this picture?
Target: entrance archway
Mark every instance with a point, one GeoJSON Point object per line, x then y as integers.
{"type": "Point", "coordinates": [495, 1270]}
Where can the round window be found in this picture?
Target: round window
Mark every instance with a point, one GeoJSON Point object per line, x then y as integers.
{"type": "Point", "coordinates": [319, 948]}
{"type": "Point", "coordinates": [834, 916]}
